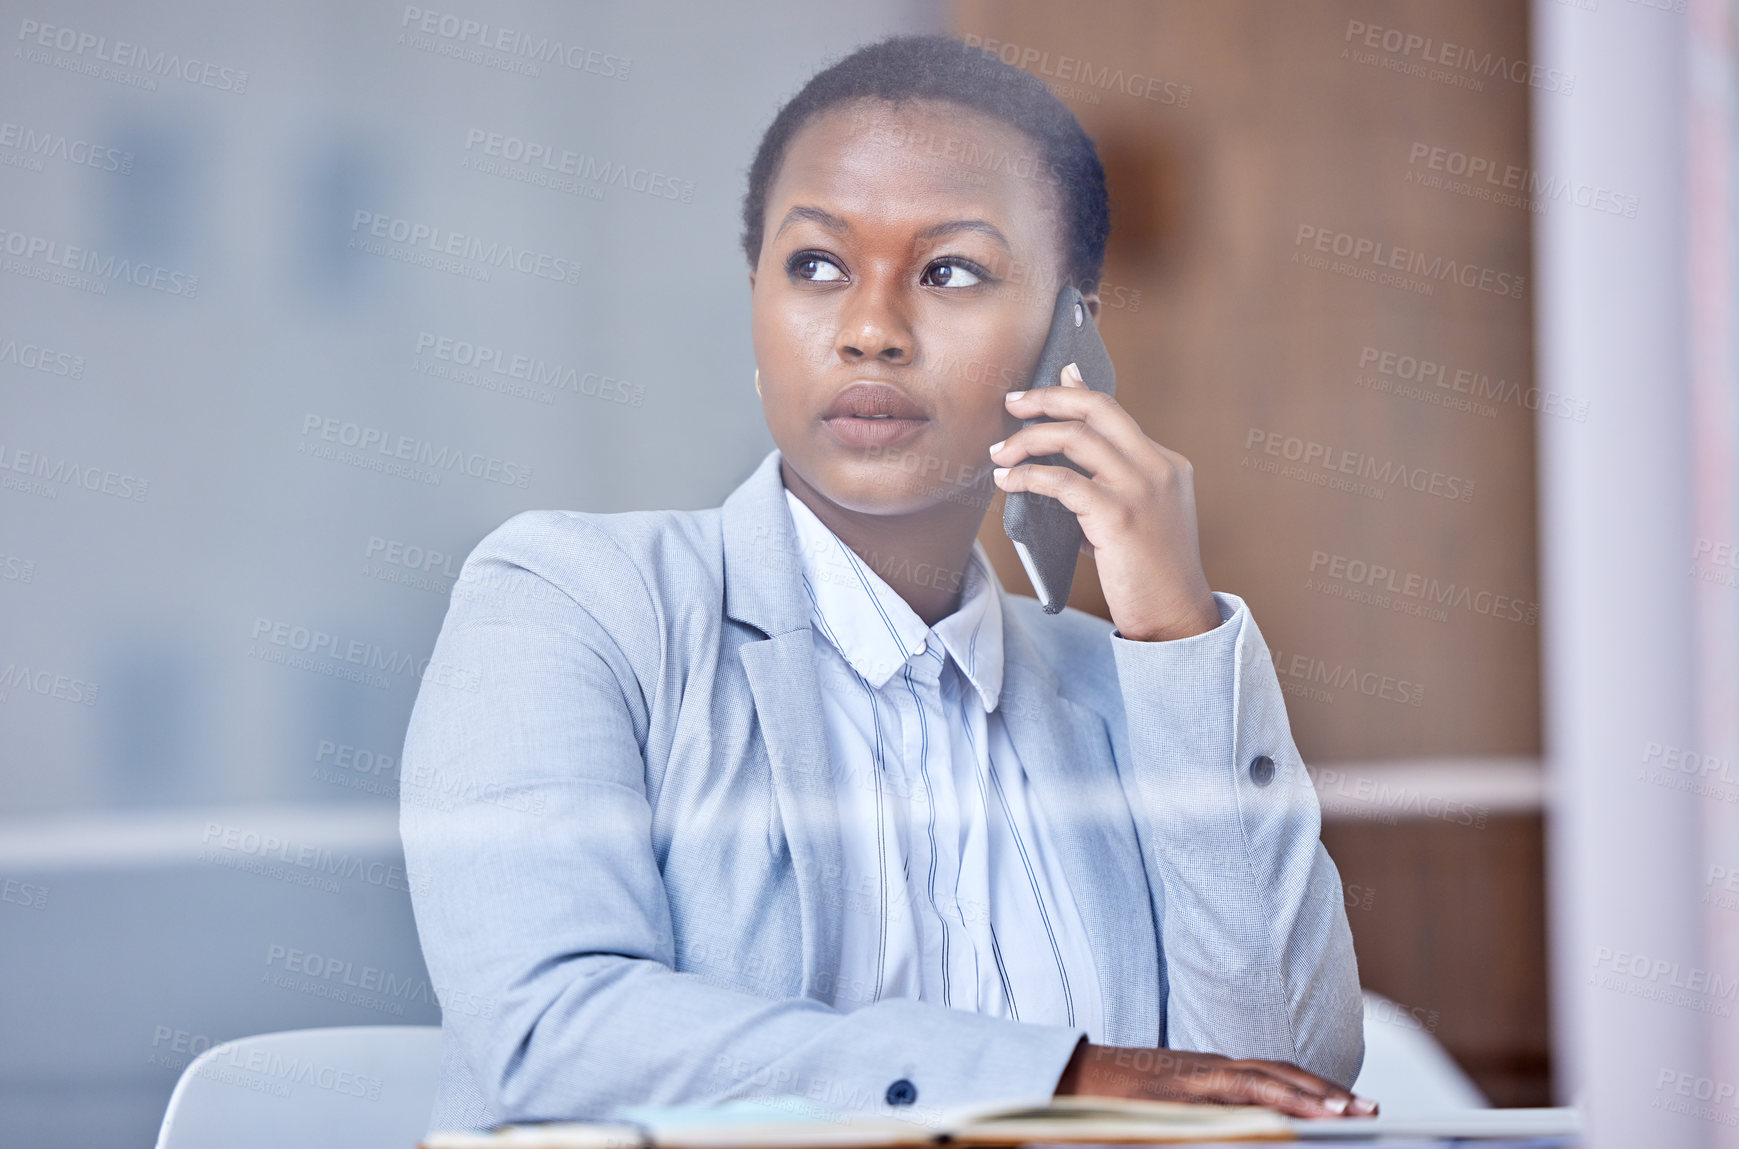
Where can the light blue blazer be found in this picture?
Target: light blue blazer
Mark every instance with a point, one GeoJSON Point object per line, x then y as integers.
{"type": "Point", "coordinates": [617, 806]}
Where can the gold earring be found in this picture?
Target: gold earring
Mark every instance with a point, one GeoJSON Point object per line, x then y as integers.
{"type": "Point", "coordinates": [758, 381]}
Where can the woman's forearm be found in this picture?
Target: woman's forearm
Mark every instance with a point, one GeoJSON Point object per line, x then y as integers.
{"type": "Point", "coordinates": [1259, 957]}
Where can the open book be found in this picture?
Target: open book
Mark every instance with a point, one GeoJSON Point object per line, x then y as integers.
{"type": "Point", "coordinates": [794, 1122]}
{"type": "Point", "coordinates": [797, 1123]}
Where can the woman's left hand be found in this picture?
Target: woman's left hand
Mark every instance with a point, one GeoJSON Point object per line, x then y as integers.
{"type": "Point", "coordinates": [1136, 504]}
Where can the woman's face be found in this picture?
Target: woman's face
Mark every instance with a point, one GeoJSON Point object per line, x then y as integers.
{"type": "Point", "coordinates": [912, 254]}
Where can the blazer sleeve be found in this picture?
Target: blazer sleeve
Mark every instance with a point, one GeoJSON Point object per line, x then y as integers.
{"type": "Point", "coordinates": [1258, 954]}
{"type": "Point", "coordinates": [544, 918]}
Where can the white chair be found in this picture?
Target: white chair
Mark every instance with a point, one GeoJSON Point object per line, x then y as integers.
{"type": "Point", "coordinates": [1406, 1072]}
{"type": "Point", "coordinates": [360, 1087]}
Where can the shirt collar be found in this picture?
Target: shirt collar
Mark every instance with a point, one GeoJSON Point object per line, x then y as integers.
{"type": "Point", "coordinates": [877, 631]}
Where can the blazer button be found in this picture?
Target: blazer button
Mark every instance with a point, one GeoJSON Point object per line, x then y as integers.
{"type": "Point", "coordinates": [1262, 770]}
{"type": "Point", "coordinates": [902, 1092]}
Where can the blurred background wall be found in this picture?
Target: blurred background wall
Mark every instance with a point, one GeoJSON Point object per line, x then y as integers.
{"type": "Point", "coordinates": [300, 302]}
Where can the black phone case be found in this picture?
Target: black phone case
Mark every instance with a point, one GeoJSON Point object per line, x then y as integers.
{"type": "Point", "coordinates": [1045, 533]}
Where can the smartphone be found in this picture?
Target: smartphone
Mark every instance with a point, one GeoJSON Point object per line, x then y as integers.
{"type": "Point", "coordinates": [1045, 533]}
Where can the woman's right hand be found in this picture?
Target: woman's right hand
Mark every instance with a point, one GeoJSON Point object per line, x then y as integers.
{"type": "Point", "coordinates": [1179, 1075]}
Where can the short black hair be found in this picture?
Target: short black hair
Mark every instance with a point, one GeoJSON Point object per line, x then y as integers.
{"type": "Point", "coordinates": [902, 68]}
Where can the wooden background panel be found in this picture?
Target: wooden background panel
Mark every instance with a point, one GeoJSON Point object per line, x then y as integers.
{"type": "Point", "coordinates": [1221, 335]}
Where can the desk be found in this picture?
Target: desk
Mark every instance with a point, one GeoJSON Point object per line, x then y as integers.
{"type": "Point", "coordinates": [1355, 1143]}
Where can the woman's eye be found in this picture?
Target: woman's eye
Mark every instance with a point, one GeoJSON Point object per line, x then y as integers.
{"type": "Point", "coordinates": [950, 275]}
{"type": "Point", "coordinates": [813, 267]}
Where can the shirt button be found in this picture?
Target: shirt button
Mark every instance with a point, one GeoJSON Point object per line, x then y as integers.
{"type": "Point", "coordinates": [902, 1092]}
{"type": "Point", "coordinates": [1262, 770]}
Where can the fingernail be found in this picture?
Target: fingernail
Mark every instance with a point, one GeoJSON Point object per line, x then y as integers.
{"type": "Point", "coordinates": [1012, 396]}
{"type": "Point", "coordinates": [1073, 371]}
{"type": "Point", "coordinates": [996, 473]}
{"type": "Point", "coordinates": [1363, 1106]}
{"type": "Point", "coordinates": [1335, 1104]}
{"type": "Point", "coordinates": [995, 447]}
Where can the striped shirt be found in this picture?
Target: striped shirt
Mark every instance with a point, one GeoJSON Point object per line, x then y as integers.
{"type": "Point", "coordinates": [951, 890]}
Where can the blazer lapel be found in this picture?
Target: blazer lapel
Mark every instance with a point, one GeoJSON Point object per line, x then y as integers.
{"type": "Point", "coordinates": [1066, 753]}
{"type": "Point", "coordinates": [763, 588]}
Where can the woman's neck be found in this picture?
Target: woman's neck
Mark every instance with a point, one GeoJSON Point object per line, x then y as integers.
{"type": "Point", "coordinates": [922, 555]}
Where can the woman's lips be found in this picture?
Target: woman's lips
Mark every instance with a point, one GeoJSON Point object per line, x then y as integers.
{"type": "Point", "coordinates": [871, 413]}
{"type": "Point", "coordinates": [872, 431]}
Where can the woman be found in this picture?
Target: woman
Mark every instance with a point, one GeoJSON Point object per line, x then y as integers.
{"type": "Point", "coordinates": [787, 795]}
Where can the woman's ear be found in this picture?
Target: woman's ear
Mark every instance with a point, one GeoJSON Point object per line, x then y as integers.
{"type": "Point", "coordinates": [751, 281]}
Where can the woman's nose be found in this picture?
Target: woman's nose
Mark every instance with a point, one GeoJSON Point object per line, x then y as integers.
{"type": "Point", "coordinates": [873, 327]}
